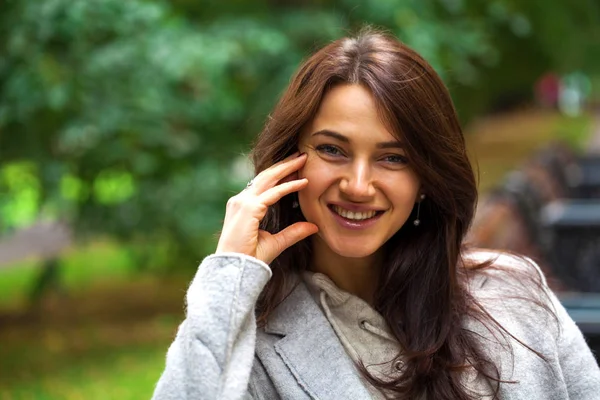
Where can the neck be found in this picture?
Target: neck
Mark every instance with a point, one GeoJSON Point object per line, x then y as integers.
{"type": "Point", "coordinates": [358, 276]}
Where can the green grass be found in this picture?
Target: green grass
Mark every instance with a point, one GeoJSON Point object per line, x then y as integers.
{"type": "Point", "coordinates": [15, 281]}
{"type": "Point", "coordinates": [114, 344]}
{"type": "Point", "coordinates": [574, 130]}
{"type": "Point", "coordinates": [124, 373]}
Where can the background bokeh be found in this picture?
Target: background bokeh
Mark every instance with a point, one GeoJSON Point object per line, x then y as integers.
{"type": "Point", "coordinates": [124, 127]}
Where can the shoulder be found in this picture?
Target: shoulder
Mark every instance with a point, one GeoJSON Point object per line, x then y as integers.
{"type": "Point", "coordinates": [512, 292]}
{"type": "Point", "coordinates": [489, 269]}
{"type": "Point", "coordinates": [512, 289]}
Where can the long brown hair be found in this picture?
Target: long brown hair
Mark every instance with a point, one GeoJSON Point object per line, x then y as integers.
{"type": "Point", "coordinates": [422, 292]}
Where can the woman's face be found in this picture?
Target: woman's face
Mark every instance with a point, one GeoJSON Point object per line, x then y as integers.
{"type": "Point", "coordinates": [361, 189]}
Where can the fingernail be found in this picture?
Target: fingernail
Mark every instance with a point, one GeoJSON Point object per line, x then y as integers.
{"type": "Point", "coordinates": [301, 154]}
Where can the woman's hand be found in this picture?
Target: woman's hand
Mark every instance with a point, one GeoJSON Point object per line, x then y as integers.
{"type": "Point", "coordinates": [245, 210]}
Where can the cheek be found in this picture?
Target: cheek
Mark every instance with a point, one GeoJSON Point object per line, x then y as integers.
{"type": "Point", "coordinates": [321, 177]}
{"type": "Point", "coordinates": [402, 190]}
{"type": "Point", "coordinates": [318, 173]}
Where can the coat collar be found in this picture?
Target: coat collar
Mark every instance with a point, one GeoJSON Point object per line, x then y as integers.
{"type": "Point", "coordinates": [311, 350]}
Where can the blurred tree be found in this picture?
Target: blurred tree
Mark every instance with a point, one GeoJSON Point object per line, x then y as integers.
{"type": "Point", "coordinates": [133, 115]}
{"type": "Point", "coordinates": [530, 38]}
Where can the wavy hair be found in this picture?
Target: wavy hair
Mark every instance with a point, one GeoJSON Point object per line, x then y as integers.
{"type": "Point", "coordinates": [422, 291]}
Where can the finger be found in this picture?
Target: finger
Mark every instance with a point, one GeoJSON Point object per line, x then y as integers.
{"type": "Point", "coordinates": [269, 177]}
{"type": "Point", "coordinates": [279, 171]}
{"type": "Point", "coordinates": [286, 238]}
{"type": "Point", "coordinates": [273, 195]}
{"type": "Point", "coordinates": [291, 177]}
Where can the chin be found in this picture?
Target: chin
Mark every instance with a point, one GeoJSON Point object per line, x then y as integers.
{"type": "Point", "coordinates": [349, 249]}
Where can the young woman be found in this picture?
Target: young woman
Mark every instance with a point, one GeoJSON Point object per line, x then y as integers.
{"type": "Point", "coordinates": [340, 272]}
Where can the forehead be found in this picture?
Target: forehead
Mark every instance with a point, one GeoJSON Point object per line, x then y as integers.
{"type": "Point", "coordinates": [350, 109]}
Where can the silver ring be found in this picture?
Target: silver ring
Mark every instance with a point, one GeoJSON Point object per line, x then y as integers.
{"type": "Point", "coordinates": [249, 183]}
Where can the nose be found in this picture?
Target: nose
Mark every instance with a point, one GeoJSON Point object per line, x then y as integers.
{"type": "Point", "coordinates": [357, 183]}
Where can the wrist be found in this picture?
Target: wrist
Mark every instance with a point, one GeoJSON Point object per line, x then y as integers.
{"type": "Point", "coordinates": [242, 257]}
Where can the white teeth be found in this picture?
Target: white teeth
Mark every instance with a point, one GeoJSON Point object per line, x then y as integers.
{"type": "Point", "coordinates": [354, 215]}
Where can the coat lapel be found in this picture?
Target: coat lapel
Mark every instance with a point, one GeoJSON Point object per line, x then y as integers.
{"type": "Point", "coordinates": [311, 350]}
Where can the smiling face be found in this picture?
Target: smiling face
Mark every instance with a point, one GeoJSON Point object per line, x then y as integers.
{"type": "Point", "coordinates": [361, 188]}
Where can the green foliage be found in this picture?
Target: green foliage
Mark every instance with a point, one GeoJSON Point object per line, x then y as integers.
{"type": "Point", "coordinates": [133, 116]}
{"type": "Point", "coordinates": [21, 181]}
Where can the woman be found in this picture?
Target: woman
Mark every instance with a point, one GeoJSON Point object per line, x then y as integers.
{"type": "Point", "coordinates": [348, 245]}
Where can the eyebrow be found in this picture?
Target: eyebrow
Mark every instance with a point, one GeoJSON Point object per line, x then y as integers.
{"type": "Point", "coordinates": [335, 135]}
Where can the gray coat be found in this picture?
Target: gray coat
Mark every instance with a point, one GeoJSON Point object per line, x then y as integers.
{"type": "Point", "coordinates": [219, 353]}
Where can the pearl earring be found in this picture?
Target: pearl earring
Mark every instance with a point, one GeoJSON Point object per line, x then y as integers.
{"type": "Point", "coordinates": [417, 221]}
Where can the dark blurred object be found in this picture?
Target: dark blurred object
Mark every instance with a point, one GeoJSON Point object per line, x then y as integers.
{"type": "Point", "coordinates": [572, 239]}
{"type": "Point", "coordinates": [584, 308]}
{"type": "Point", "coordinates": [570, 223]}
{"type": "Point", "coordinates": [578, 175]}
{"type": "Point", "coordinates": [549, 210]}
{"type": "Point", "coordinates": [554, 203]}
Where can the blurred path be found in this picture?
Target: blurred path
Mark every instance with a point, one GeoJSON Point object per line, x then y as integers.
{"type": "Point", "coordinates": [43, 239]}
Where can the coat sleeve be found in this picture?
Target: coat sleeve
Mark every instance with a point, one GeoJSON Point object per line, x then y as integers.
{"type": "Point", "coordinates": [213, 352]}
{"type": "Point", "coordinates": [579, 367]}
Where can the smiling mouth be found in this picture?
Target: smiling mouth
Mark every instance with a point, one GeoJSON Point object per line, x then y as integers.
{"type": "Point", "coordinates": [356, 216]}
